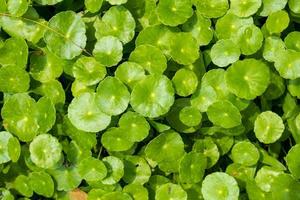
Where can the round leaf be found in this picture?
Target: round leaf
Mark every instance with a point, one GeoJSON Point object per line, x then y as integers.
{"type": "Point", "coordinates": [277, 21]}
{"type": "Point", "coordinates": [245, 153]}
{"type": "Point", "coordinates": [45, 151]}
{"type": "Point", "coordinates": [244, 8]}
{"type": "Point", "coordinates": [112, 96]}
{"type": "Point", "coordinates": [219, 185]}
{"type": "Point", "coordinates": [184, 48]}
{"type": "Point", "coordinates": [150, 57]}
{"type": "Point", "coordinates": [224, 114]}
{"type": "Point", "coordinates": [88, 71]}
{"type": "Point", "coordinates": [85, 114]}
{"type": "Point", "coordinates": [130, 73]}
{"type": "Point", "coordinates": [152, 96]}
{"type": "Point", "coordinates": [68, 38]}
{"type": "Point", "coordinates": [115, 139]}
{"type": "Point", "coordinates": [166, 146]}
{"type": "Point", "coordinates": [92, 169]}
{"type": "Point", "coordinates": [13, 79]}
{"type": "Point", "coordinates": [192, 167]}
{"type": "Point", "coordinates": [212, 9]}
{"type": "Point", "coordinates": [268, 127]}
{"type": "Point", "coordinates": [185, 82]}
{"type": "Point", "coordinates": [224, 52]}
{"type": "Point", "coordinates": [108, 51]}
{"type": "Point", "coordinates": [117, 22]}
{"type": "Point", "coordinates": [41, 183]}
{"type": "Point", "coordinates": [136, 126]}
{"type": "Point", "coordinates": [115, 170]}
{"type": "Point", "coordinates": [248, 78]}
{"type": "Point", "coordinates": [174, 12]}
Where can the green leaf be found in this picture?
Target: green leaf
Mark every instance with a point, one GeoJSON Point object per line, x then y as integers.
{"type": "Point", "coordinates": [152, 96]}
{"type": "Point", "coordinates": [244, 8]}
{"type": "Point", "coordinates": [46, 67]}
{"type": "Point", "coordinates": [292, 41]}
{"type": "Point", "coordinates": [21, 184]}
{"type": "Point", "coordinates": [268, 127]}
{"type": "Point", "coordinates": [229, 25]}
{"type": "Point", "coordinates": [115, 170]}
{"type": "Point", "coordinates": [245, 153]}
{"type": "Point", "coordinates": [211, 9]}
{"type": "Point", "coordinates": [224, 114]}
{"type": "Point", "coordinates": [136, 126]}
{"type": "Point", "coordinates": [158, 35]}
{"type": "Point", "coordinates": [224, 52]}
{"type": "Point", "coordinates": [93, 5]}
{"type": "Point", "coordinates": [277, 21]}
{"type": "Point", "coordinates": [192, 167]}
{"type": "Point", "coordinates": [136, 170]}
{"type": "Point", "coordinates": [108, 51]}
{"type": "Point", "coordinates": [41, 183]}
{"type": "Point", "coordinates": [185, 82]}
{"type": "Point", "coordinates": [47, 2]}
{"type": "Point", "coordinates": [116, 2]}
{"type": "Point", "coordinates": [137, 191]}
{"type": "Point", "coordinates": [250, 39]}
{"type": "Point", "coordinates": [46, 114]}
{"type": "Point", "coordinates": [271, 6]}
{"type": "Point", "coordinates": [117, 196]}
{"type": "Point", "coordinates": [272, 46]}
{"type": "Point", "coordinates": [241, 173]}
{"type": "Point", "coordinates": [13, 79]}
{"type": "Point", "coordinates": [180, 123]}
{"type": "Point", "coordinates": [219, 185]}
{"type": "Point", "coordinates": [285, 187]}
{"type": "Point", "coordinates": [14, 53]}
{"type": "Point", "coordinates": [88, 71]}
{"type": "Point", "coordinates": [130, 73]}
{"type": "Point", "coordinates": [66, 35]}
{"type": "Point", "coordinates": [248, 78]}
{"type": "Point", "coordinates": [265, 177]}
{"type": "Point", "coordinates": [92, 169]}
{"type": "Point", "coordinates": [174, 12]}
{"type": "Point", "coordinates": [117, 22]}
{"type": "Point", "coordinates": [66, 179]}
{"type": "Point", "coordinates": [287, 64]}
{"type": "Point", "coordinates": [200, 28]}
{"type": "Point", "coordinates": [17, 8]}
{"type": "Point", "coordinates": [5, 137]}
{"type": "Point", "coordinates": [14, 149]}
{"type": "Point", "coordinates": [166, 146]}
{"type": "Point", "coordinates": [85, 114]}
{"type": "Point", "coordinates": [190, 116]}
{"type": "Point", "coordinates": [53, 90]}
{"type": "Point", "coordinates": [19, 116]}
{"type": "Point", "coordinates": [45, 151]}
{"type": "Point", "coordinates": [292, 161]}
{"type": "Point", "coordinates": [150, 58]}
{"type": "Point", "coordinates": [184, 48]}
{"type": "Point", "coordinates": [112, 96]}
{"type": "Point", "coordinates": [209, 149]}
{"type": "Point", "coordinates": [294, 6]}
{"type": "Point", "coordinates": [115, 139]}
{"type": "Point", "coordinates": [170, 191]}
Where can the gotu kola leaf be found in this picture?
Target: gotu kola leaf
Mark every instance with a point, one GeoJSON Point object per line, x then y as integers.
{"type": "Point", "coordinates": [66, 35]}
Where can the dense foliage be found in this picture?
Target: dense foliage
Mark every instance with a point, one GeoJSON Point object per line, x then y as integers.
{"type": "Point", "coordinates": [150, 99]}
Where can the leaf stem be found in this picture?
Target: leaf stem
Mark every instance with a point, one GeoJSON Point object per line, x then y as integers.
{"type": "Point", "coordinates": [49, 28]}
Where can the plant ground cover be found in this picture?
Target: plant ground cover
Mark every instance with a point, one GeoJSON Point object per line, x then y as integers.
{"type": "Point", "coordinates": [150, 99]}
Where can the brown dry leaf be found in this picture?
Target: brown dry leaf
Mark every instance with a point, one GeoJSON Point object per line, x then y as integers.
{"type": "Point", "coordinates": [78, 194]}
